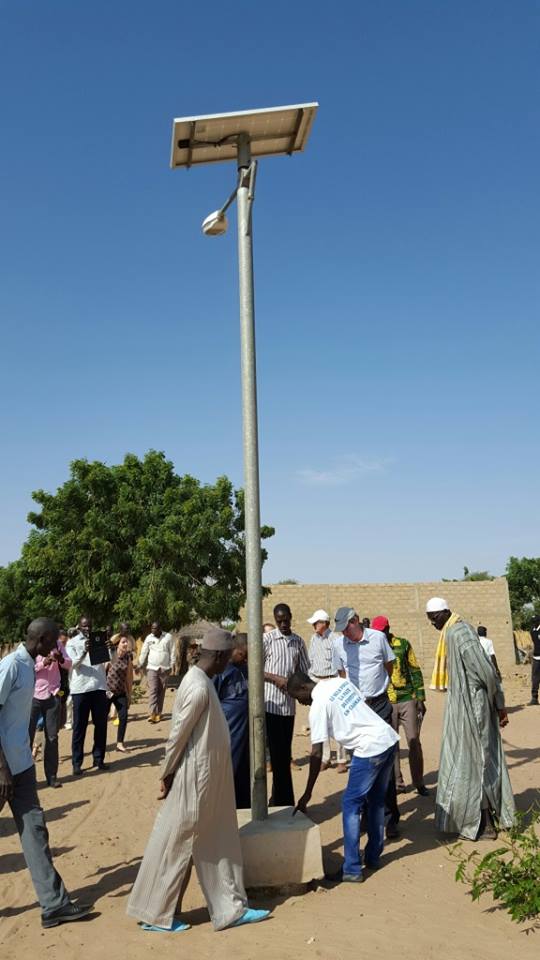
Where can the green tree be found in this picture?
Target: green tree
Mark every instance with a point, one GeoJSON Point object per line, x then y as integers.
{"type": "Point", "coordinates": [476, 574]}
{"type": "Point", "coordinates": [13, 587]}
{"type": "Point", "coordinates": [524, 588]}
{"type": "Point", "coordinates": [469, 575]}
{"type": "Point", "coordinates": [135, 542]}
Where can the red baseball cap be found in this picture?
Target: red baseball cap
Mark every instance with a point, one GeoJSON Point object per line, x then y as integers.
{"type": "Point", "coordinates": [380, 623]}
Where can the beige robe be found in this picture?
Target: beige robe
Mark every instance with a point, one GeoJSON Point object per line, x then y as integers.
{"type": "Point", "coordinates": [197, 820]}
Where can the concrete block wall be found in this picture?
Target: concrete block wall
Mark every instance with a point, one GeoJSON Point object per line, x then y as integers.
{"type": "Point", "coordinates": [483, 601]}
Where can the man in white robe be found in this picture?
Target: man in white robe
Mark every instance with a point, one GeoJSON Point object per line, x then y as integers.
{"type": "Point", "coordinates": [197, 822]}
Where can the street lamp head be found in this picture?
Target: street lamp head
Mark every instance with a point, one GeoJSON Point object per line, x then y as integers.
{"type": "Point", "coordinates": [215, 224]}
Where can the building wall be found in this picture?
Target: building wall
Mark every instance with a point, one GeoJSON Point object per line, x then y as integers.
{"type": "Point", "coordinates": [483, 601]}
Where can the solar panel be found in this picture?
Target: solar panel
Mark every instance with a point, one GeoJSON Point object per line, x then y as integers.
{"type": "Point", "coordinates": [273, 131]}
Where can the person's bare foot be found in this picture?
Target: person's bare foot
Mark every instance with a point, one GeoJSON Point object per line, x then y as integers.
{"type": "Point", "coordinates": [122, 748]}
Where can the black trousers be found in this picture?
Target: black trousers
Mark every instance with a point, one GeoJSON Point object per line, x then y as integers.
{"type": "Point", "coordinates": [120, 701]}
{"type": "Point", "coordinates": [383, 708]}
{"type": "Point", "coordinates": [50, 711]}
{"type": "Point", "coordinates": [279, 733]}
{"type": "Point", "coordinates": [93, 703]}
{"type": "Point", "coordinates": [535, 678]}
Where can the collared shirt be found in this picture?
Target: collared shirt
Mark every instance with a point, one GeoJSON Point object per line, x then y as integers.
{"type": "Point", "coordinates": [364, 662]}
{"type": "Point", "coordinates": [16, 691]}
{"type": "Point", "coordinates": [407, 682]}
{"type": "Point", "coordinates": [47, 677]}
{"type": "Point", "coordinates": [160, 652]}
{"type": "Point", "coordinates": [84, 677]}
{"type": "Point", "coordinates": [338, 710]}
{"type": "Point", "coordinates": [321, 655]}
{"type": "Point", "coordinates": [282, 656]}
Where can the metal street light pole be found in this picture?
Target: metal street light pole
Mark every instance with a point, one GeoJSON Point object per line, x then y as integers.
{"type": "Point", "coordinates": [214, 138]}
{"type": "Point", "coordinates": [244, 199]}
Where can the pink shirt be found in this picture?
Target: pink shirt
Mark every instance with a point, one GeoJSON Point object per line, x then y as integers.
{"type": "Point", "coordinates": [48, 675]}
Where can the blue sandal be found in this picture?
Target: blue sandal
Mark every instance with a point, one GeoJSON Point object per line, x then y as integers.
{"type": "Point", "coordinates": [251, 916]}
{"type": "Point", "coordinates": [178, 926]}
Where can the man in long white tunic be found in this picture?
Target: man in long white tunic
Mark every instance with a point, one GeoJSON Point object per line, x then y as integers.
{"type": "Point", "coordinates": [197, 821]}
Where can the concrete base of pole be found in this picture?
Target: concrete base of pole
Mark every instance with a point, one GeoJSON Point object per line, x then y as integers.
{"type": "Point", "coordinates": [282, 852]}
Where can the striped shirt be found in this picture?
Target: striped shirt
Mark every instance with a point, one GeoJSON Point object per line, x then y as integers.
{"type": "Point", "coordinates": [320, 655]}
{"type": "Point", "coordinates": [282, 656]}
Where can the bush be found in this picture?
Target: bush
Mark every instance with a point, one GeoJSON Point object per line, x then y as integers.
{"type": "Point", "coordinates": [511, 873]}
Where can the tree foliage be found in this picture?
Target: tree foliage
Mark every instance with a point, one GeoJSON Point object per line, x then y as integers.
{"type": "Point", "coordinates": [524, 588]}
{"type": "Point", "coordinates": [135, 542]}
{"type": "Point", "coordinates": [470, 575]}
{"type": "Point", "coordinates": [511, 872]}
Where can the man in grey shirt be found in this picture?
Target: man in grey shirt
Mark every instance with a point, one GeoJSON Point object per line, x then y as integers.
{"type": "Point", "coordinates": [366, 658]}
{"type": "Point", "coordinates": [321, 666]}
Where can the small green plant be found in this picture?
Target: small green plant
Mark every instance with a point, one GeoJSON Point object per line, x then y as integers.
{"type": "Point", "coordinates": [511, 872]}
{"type": "Point", "coordinates": [137, 693]}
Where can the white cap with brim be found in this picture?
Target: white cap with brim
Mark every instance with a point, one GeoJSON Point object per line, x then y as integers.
{"type": "Point", "coordinates": [436, 604]}
{"type": "Point", "coordinates": [319, 615]}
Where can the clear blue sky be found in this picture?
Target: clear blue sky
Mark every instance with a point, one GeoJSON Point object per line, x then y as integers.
{"type": "Point", "coordinates": [396, 269]}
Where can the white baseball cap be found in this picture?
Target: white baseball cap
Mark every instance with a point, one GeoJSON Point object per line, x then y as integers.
{"type": "Point", "coordinates": [319, 615]}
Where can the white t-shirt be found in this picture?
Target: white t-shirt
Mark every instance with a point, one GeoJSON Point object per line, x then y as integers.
{"type": "Point", "coordinates": [158, 653]}
{"type": "Point", "coordinates": [487, 645]}
{"type": "Point", "coordinates": [339, 711]}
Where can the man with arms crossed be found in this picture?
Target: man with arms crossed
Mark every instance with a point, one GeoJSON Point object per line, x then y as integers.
{"type": "Point", "coordinates": [284, 652]}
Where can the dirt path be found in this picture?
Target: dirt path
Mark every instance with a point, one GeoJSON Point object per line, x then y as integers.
{"type": "Point", "coordinates": [411, 909]}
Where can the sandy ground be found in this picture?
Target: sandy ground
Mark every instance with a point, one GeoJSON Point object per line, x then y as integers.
{"type": "Point", "coordinates": [412, 908]}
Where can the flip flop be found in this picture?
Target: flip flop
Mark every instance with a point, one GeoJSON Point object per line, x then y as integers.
{"type": "Point", "coordinates": [178, 926]}
{"type": "Point", "coordinates": [251, 916]}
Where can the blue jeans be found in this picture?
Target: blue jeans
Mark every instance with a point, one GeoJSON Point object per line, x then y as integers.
{"type": "Point", "coordinates": [366, 790]}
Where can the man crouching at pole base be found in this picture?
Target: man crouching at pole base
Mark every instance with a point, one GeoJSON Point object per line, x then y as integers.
{"type": "Point", "coordinates": [338, 710]}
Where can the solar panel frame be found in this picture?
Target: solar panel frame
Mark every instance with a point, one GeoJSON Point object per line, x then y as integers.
{"type": "Point", "coordinates": [211, 138]}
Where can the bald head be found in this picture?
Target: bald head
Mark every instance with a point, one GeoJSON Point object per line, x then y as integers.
{"type": "Point", "coordinates": [213, 662]}
{"type": "Point", "coordinates": [41, 637]}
